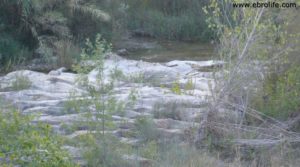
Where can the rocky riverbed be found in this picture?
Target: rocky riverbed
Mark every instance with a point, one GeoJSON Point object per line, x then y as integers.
{"type": "Point", "coordinates": [174, 94]}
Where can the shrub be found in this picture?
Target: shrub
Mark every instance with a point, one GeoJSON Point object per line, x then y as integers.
{"type": "Point", "coordinates": [92, 56]}
{"type": "Point", "coordinates": [75, 104]}
{"type": "Point", "coordinates": [150, 150]}
{"type": "Point", "coordinates": [176, 87]}
{"type": "Point", "coordinates": [21, 82]}
{"type": "Point", "coordinates": [189, 86]}
{"type": "Point", "coordinates": [108, 155]}
{"type": "Point", "coordinates": [146, 129]}
{"type": "Point", "coordinates": [25, 144]}
{"type": "Point", "coordinates": [280, 96]}
{"type": "Point", "coordinates": [100, 148]}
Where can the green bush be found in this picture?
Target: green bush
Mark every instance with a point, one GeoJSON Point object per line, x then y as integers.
{"type": "Point", "coordinates": [169, 19]}
{"type": "Point", "coordinates": [108, 155]}
{"type": "Point", "coordinates": [146, 129]}
{"type": "Point", "coordinates": [93, 52]}
{"type": "Point", "coordinates": [150, 150]}
{"type": "Point", "coordinates": [281, 94]}
{"type": "Point", "coordinates": [100, 148]}
{"type": "Point", "coordinates": [23, 143]}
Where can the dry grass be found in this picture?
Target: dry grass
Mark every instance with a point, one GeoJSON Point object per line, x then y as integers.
{"type": "Point", "coordinates": [67, 53]}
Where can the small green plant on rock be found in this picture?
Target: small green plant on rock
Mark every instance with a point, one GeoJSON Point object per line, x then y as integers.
{"type": "Point", "coordinates": [176, 87]}
{"type": "Point", "coordinates": [117, 74]}
{"type": "Point", "coordinates": [21, 82]}
{"type": "Point", "coordinates": [146, 129]}
{"type": "Point", "coordinates": [137, 78]}
{"type": "Point", "coordinates": [92, 56]}
{"type": "Point", "coordinates": [189, 87]}
{"type": "Point", "coordinates": [76, 103]}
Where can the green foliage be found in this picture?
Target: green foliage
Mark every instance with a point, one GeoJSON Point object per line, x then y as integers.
{"type": "Point", "coordinates": [179, 89]}
{"type": "Point", "coordinates": [108, 155]}
{"type": "Point", "coordinates": [12, 52]}
{"type": "Point", "coordinates": [281, 95]}
{"type": "Point", "coordinates": [101, 100]}
{"type": "Point", "coordinates": [75, 103]}
{"type": "Point", "coordinates": [90, 18]}
{"type": "Point", "coordinates": [100, 148]}
{"type": "Point", "coordinates": [189, 87]}
{"type": "Point", "coordinates": [55, 16]}
{"type": "Point", "coordinates": [21, 8]}
{"type": "Point", "coordinates": [172, 154]}
{"type": "Point", "coordinates": [150, 150]}
{"type": "Point", "coordinates": [21, 82]}
{"type": "Point", "coordinates": [16, 41]}
{"type": "Point", "coordinates": [25, 144]}
{"type": "Point", "coordinates": [92, 56]}
{"type": "Point", "coordinates": [27, 21]}
{"type": "Point", "coordinates": [170, 19]}
{"type": "Point", "coordinates": [137, 78]}
{"type": "Point", "coordinates": [146, 129]}
{"type": "Point", "coordinates": [255, 42]}
{"type": "Point", "coordinates": [96, 154]}
{"type": "Point", "coordinates": [176, 88]}
{"type": "Point", "coordinates": [117, 74]}
{"type": "Point", "coordinates": [249, 30]}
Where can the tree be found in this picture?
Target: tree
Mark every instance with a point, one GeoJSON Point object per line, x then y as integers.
{"type": "Point", "coordinates": [253, 42]}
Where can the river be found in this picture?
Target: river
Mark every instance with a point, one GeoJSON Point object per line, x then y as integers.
{"type": "Point", "coordinates": [154, 50]}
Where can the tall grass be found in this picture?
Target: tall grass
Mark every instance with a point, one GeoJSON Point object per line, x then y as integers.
{"type": "Point", "coordinates": [67, 53]}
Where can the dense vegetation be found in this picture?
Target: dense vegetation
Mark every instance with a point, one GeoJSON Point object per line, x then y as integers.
{"type": "Point", "coordinates": [35, 29]}
{"type": "Point", "coordinates": [280, 95]}
{"type": "Point", "coordinates": [169, 19]}
{"type": "Point", "coordinates": [25, 144]}
{"type": "Point", "coordinates": [261, 48]}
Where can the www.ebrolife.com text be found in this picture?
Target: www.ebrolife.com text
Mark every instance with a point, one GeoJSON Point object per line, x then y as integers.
{"type": "Point", "coordinates": [270, 4]}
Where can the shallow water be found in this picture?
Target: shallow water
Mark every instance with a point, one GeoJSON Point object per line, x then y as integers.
{"type": "Point", "coordinates": [152, 50]}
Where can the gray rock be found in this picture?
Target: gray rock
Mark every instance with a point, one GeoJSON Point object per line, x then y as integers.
{"type": "Point", "coordinates": [49, 95]}
{"type": "Point", "coordinates": [54, 72]}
